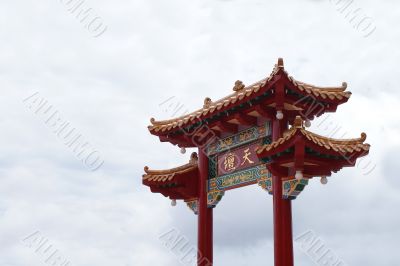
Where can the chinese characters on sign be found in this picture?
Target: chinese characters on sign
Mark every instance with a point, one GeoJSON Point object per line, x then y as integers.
{"type": "Point", "coordinates": [246, 158]}
{"type": "Point", "coordinates": [236, 164]}
{"type": "Point", "coordinates": [238, 159]}
{"type": "Point", "coordinates": [230, 162]}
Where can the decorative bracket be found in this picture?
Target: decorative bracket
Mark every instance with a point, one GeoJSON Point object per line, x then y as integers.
{"type": "Point", "coordinates": [292, 188]}
{"type": "Point", "coordinates": [266, 183]}
{"type": "Point", "coordinates": [214, 197]}
{"type": "Point", "coordinates": [193, 205]}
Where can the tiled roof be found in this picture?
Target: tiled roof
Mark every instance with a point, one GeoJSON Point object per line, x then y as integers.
{"type": "Point", "coordinates": [331, 93]}
{"type": "Point", "coordinates": [169, 174]}
{"type": "Point", "coordinates": [243, 92]}
{"type": "Point", "coordinates": [338, 145]}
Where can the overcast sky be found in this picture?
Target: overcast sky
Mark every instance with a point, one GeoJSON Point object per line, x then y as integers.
{"type": "Point", "coordinates": [108, 79]}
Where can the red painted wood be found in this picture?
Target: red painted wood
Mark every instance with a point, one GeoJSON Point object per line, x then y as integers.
{"type": "Point", "coordinates": [246, 119]}
{"type": "Point", "coordinates": [267, 86]}
{"type": "Point", "coordinates": [205, 216]}
{"type": "Point", "coordinates": [226, 127]}
{"type": "Point", "coordinates": [264, 111]}
{"type": "Point", "coordinates": [299, 154]}
{"type": "Point", "coordinates": [283, 237]}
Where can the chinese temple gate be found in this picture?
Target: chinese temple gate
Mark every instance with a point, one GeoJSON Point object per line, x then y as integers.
{"type": "Point", "coordinates": [256, 135]}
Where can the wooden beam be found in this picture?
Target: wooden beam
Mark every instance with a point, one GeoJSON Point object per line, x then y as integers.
{"type": "Point", "coordinates": [226, 127]}
{"type": "Point", "coordinates": [277, 170]}
{"type": "Point", "coordinates": [327, 163]}
{"type": "Point", "coordinates": [315, 171]}
{"type": "Point", "coordinates": [182, 140]}
{"type": "Point", "coordinates": [299, 151]}
{"type": "Point", "coordinates": [164, 138]}
{"type": "Point", "coordinates": [205, 137]}
{"type": "Point", "coordinates": [265, 111]}
{"type": "Point", "coordinates": [245, 119]}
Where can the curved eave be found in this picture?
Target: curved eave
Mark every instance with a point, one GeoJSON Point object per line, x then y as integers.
{"type": "Point", "coordinates": [163, 127]}
{"type": "Point", "coordinates": [177, 183]}
{"type": "Point", "coordinates": [316, 142]}
{"type": "Point", "coordinates": [339, 146]}
{"type": "Point", "coordinates": [333, 96]}
{"type": "Point", "coordinates": [167, 176]}
{"type": "Point", "coordinates": [313, 154]}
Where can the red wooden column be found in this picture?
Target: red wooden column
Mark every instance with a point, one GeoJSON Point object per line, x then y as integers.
{"type": "Point", "coordinates": [283, 237]}
{"type": "Point", "coordinates": [205, 216]}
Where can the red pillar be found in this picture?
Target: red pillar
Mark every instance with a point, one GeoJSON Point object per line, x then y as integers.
{"type": "Point", "coordinates": [205, 217]}
{"type": "Point", "coordinates": [283, 237]}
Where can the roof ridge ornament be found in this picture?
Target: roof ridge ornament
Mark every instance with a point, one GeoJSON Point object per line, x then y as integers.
{"type": "Point", "coordinates": [207, 102]}
{"type": "Point", "coordinates": [298, 122]}
{"type": "Point", "coordinates": [194, 158]}
{"type": "Point", "coordinates": [363, 136]}
{"type": "Point", "coordinates": [146, 169]}
{"type": "Point", "coordinates": [238, 86]}
{"type": "Point", "coordinates": [280, 63]}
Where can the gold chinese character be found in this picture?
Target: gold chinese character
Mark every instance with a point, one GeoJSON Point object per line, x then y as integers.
{"type": "Point", "coordinates": [246, 155]}
{"type": "Point", "coordinates": [229, 162]}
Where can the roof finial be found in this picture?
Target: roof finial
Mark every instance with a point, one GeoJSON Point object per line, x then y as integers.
{"type": "Point", "coordinates": [193, 158]}
{"type": "Point", "coordinates": [344, 85]}
{"type": "Point", "coordinates": [363, 136]}
{"type": "Point", "coordinates": [238, 85]}
{"type": "Point", "coordinates": [146, 169]}
{"type": "Point", "coordinates": [298, 122]}
{"type": "Point", "coordinates": [280, 62]}
{"type": "Point", "coordinates": [207, 102]}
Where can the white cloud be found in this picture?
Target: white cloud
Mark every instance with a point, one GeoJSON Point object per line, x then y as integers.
{"type": "Point", "coordinates": [109, 87]}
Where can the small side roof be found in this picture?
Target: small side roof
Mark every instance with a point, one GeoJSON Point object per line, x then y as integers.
{"type": "Point", "coordinates": [337, 145]}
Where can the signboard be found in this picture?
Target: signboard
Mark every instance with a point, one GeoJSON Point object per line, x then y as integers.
{"type": "Point", "coordinates": [238, 159]}
{"type": "Point", "coordinates": [235, 162]}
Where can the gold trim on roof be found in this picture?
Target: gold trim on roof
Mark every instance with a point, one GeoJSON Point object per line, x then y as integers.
{"type": "Point", "coordinates": [238, 86]}
{"type": "Point", "coordinates": [338, 145]}
{"type": "Point", "coordinates": [242, 92]}
{"type": "Point", "coordinates": [168, 174]}
{"type": "Point", "coordinates": [324, 92]}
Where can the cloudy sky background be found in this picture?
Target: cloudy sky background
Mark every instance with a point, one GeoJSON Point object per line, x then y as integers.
{"type": "Point", "coordinates": [108, 88]}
